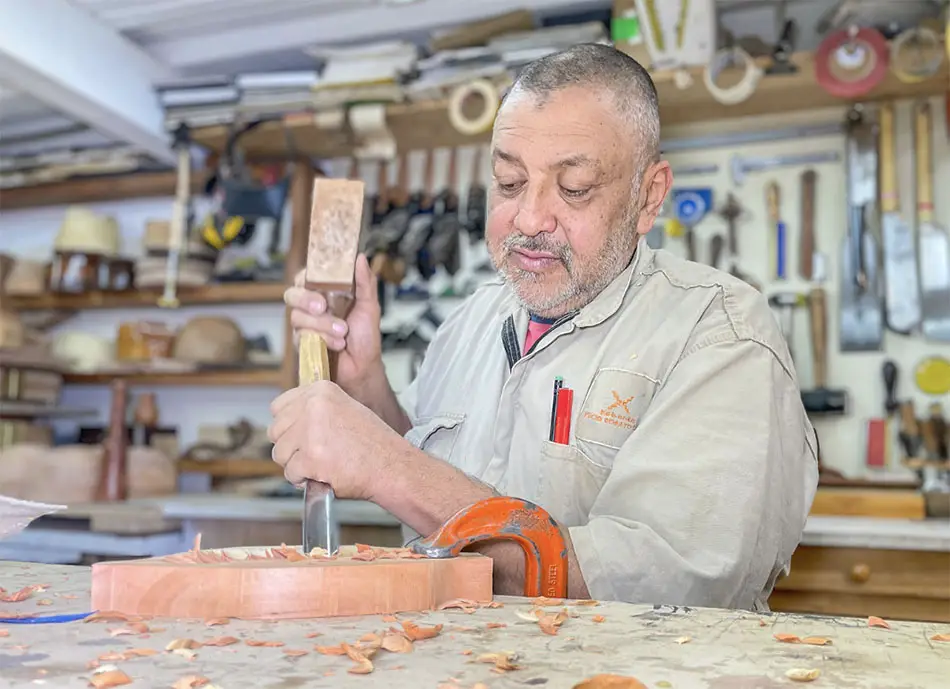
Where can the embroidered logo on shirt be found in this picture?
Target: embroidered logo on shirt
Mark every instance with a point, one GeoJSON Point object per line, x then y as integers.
{"type": "Point", "coordinates": [617, 413]}
{"type": "Point", "coordinates": [612, 408]}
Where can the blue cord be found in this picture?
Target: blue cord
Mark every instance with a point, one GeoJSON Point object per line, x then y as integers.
{"type": "Point", "coordinates": [45, 619]}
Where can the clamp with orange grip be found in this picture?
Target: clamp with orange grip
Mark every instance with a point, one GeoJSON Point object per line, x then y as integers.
{"type": "Point", "coordinates": [508, 519]}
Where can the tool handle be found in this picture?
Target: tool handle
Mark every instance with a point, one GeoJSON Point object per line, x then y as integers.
{"type": "Point", "coordinates": [716, 246]}
{"type": "Point", "coordinates": [889, 199]}
{"type": "Point", "coordinates": [909, 420]}
{"type": "Point", "coordinates": [806, 250]}
{"type": "Point", "coordinates": [928, 433]}
{"type": "Point", "coordinates": [772, 201]}
{"type": "Point", "coordinates": [889, 374]}
{"type": "Point", "coordinates": [113, 481]}
{"type": "Point", "coordinates": [382, 187]}
{"type": "Point", "coordinates": [817, 309]}
{"type": "Point", "coordinates": [690, 240]}
{"type": "Point", "coordinates": [922, 130]}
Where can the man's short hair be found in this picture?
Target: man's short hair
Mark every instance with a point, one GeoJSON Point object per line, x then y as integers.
{"type": "Point", "coordinates": [596, 65]}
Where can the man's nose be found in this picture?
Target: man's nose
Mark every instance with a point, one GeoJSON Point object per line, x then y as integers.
{"type": "Point", "coordinates": [534, 213]}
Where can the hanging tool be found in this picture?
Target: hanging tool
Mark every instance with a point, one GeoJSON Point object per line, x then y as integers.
{"type": "Point", "coordinates": [932, 375]}
{"type": "Point", "coordinates": [690, 207]}
{"type": "Point", "coordinates": [181, 217]}
{"type": "Point", "coordinates": [730, 212]}
{"type": "Point", "coordinates": [850, 62]}
{"type": "Point", "coordinates": [862, 317]}
{"type": "Point", "coordinates": [880, 431]}
{"type": "Point", "coordinates": [476, 202]}
{"type": "Point", "coordinates": [934, 241]}
{"type": "Point", "coordinates": [785, 47]}
{"type": "Point", "coordinates": [441, 253]}
{"type": "Point", "coordinates": [916, 54]}
{"type": "Point", "coordinates": [786, 303]}
{"type": "Point", "coordinates": [902, 291]}
{"type": "Point", "coordinates": [821, 400]}
{"type": "Point", "coordinates": [335, 223]}
{"type": "Point", "coordinates": [717, 244]}
{"type": "Point", "coordinates": [777, 231]}
{"type": "Point", "coordinates": [507, 519]}
{"type": "Point", "coordinates": [909, 431]}
{"type": "Point", "coordinates": [740, 166]}
{"type": "Point", "coordinates": [807, 254]}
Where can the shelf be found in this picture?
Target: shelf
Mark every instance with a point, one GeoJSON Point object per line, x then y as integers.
{"type": "Point", "coordinates": [94, 189]}
{"type": "Point", "coordinates": [258, 376]}
{"type": "Point", "coordinates": [232, 468]}
{"type": "Point", "coordinates": [221, 293]}
{"type": "Point", "coordinates": [426, 125]}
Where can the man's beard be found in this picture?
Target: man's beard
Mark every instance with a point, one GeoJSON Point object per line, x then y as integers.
{"type": "Point", "coordinates": [584, 282]}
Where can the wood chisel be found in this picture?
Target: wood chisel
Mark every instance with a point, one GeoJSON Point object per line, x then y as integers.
{"type": "Point", "coordinates": [335, 223]}
{"type": "Point", "coordinates": [902, 291]}
{"type": "Point", "coordinates": [934, 241]}
{"type": "Point", "coordinates": [776, 231]}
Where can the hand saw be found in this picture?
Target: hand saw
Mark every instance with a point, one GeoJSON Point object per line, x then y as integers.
{"type": "Point", "coordinates": [902, 291]}
{"type": "Point", "coordinates": [934, 241]}
{"type": "Point", "coordinates": [862, 317]}
{"type": "Point", "coordinates": [335, 225]}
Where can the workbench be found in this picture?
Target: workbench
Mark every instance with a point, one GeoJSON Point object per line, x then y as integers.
{"type": "Point", "coordinates": [662, 646]}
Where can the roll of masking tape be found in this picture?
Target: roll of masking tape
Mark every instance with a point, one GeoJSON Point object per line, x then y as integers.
{"type": "Point", "coordinates": [916, 54]}
{"type": "Point", "coordinates": [483, 121]}
{"type": "Point", "coordinates": [746, 86]}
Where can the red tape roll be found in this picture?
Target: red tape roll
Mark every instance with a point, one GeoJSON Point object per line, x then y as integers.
{"type": "Point", "coordinates": [844, 80]}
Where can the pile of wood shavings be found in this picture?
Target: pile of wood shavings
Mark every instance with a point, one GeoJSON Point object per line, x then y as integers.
{"type": "Point", "coordinates": [364, 553]}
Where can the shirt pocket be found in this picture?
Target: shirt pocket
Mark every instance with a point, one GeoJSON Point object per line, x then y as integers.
{"type": "Point", "coordinates": [569, 483]}
{"type": "Point", "coordinates": [436, 435]}
{"type": "Point", "coordinates": [615, 402]}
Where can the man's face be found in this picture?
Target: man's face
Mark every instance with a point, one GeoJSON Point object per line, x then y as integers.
{"type": "Point", "coordinates": [563, 208]}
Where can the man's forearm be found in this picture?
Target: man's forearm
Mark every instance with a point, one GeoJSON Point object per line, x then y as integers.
{"type": "Point", "coordinates": [425, 492]}
{"type": "Point", "coordinates": [377, 394]}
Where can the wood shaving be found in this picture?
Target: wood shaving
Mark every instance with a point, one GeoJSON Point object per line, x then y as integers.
{"type": "Point", "coordinates": [551, 622]}
{"type": "Point", "coordinates": [816, 641]}
{"type": "Point", "coordinates": [803, 675]}
{"type": "Point", "coordinates": [495, 625]}
{"type": "Point", "coordinates": [175, 644]}
{"type": "Point", "coordinates": [185, 653]}
{"type": "Point", "coordinates": [494, 604]}
{"type": "Point", "coordinates": [504, 661]}
{"type": "Point", "coordinates": [122, 631]}
{"type": "Point", "coordinates": [371, 637]}
{"type": "Point", "coordinates": [130, 653]}
{"type": "Point", "coordinates": [397, 643]}
{"type": "Point", "coordinates": [191, 682]}
{"type": "Point", "coordinates": [389, 618]}
{"type": "Point", "coordinates": [788, 638]}
{"type": "Point", "coordinates": [216, 621]}
{"type": "Point", "coordinates": [363, 666]}
{"type": "Point", "coordinates": [221, 641]}
{"type": "Point", "coordinates": [112, 677]}
{"type": "Point", "coordinates": [598, 618]}
{"type": "Point", "coordinates": [587, 603]}
{"type": "Point", "coordinates": [314, 635]}
{"type": "Point", "coordinates": [22, 594]}
{"type": "Point", "coordinates": [877, 622]}
{"type": "Point", "coordinates": [463, 604]}
{"type": "Point", "coordinates": [610, 682]}
{"type": "Point", "coordinates": [331, 650]}
{"type": "Point", "coordinates": [111, 656]}
{"type": "Point", "coordinates": [417, 633]}
{"type": "Point", "coordinates": [763, 623]}
{"type": "Point", "coordinates": [268, 644]}
{"type": "Point", "coordinates": [545, 601]}
{"type": "Point", "coordinates": [110, 616]}
{"type": "Point", "coordinates": [467, 652]}
{"type": "Point", "coordinates": [935, 637]}
{"type": "Point", "coordinates": [45, 601]}
{"type": "Point", "coordinates": [4, 632]}
{"type": "Point", "coordinates": [295, 652]}
{"type": "Point", "coordinates": [532, 616]}
{"type": "Point", "coordinates": [683, 640]}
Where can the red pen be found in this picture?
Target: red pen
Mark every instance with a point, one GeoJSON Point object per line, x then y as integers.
{"type": "Point", "coordinates": [562, 424]}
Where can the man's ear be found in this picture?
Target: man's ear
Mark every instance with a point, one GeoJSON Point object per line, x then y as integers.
{"type": "Point", "coordinates": [656, 184]}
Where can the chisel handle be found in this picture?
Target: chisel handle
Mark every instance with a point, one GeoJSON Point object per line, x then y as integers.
{"type": "Point", "coordinates": [889, 199]}
{"type": "Point", "coordinates": [923, 124]}
{"type": "Point", "coordinates": [806, 250]}
{"type": "Point", "coordinates": [818, 314]}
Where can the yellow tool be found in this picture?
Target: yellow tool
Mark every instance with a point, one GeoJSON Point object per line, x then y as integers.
{"type": "Point", "coordinates": [932, 375]}
{"type": "Point", "coordinates": [219, 237]}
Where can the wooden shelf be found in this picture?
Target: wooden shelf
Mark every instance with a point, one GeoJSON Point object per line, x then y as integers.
{"type": "Point", "coordinates": [94, 189]}
{"type": "Point", "coordinates": [426, 125]}
{"type": "Point", "coordinates": [221, 293]}
{"type": "Point", "coordinates": [237, 377]}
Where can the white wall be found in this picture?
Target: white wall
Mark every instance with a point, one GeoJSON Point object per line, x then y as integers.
{"type": "Point", "coordinates": [31, 232]}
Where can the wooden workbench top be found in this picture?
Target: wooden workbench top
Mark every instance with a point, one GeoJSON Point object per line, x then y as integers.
{"type": "Point", "coordinates": [680, 648]}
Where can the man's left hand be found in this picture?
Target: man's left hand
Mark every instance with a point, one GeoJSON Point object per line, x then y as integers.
{"type": "Point", "coordinates": [321, 433]}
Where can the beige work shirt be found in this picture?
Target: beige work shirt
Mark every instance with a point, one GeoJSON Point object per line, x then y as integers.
{"type": "Point", "coordinates": [691, 466]}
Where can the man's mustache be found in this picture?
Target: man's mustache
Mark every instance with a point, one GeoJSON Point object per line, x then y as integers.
{"type": "Point", "coordinates": [540, 243]}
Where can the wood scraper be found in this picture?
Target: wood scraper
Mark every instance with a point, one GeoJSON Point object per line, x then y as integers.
{"type": "Point", "coordinates": [336, 218]}
{"type": "Point", "coordinates": [934, 241]}
{"type": "Point", "coordinates": [902, 291]}
{"type": "Point", "coordinates": [862, 317]}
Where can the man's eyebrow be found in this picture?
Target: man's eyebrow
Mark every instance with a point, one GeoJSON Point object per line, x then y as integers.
{"type": "Point", "coordinates": [498, 154]}
{"type": "Point", "coordinates": [579, 160]}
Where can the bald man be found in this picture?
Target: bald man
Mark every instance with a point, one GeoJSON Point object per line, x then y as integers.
{"type": "Point", "coordinates": [690, 466]}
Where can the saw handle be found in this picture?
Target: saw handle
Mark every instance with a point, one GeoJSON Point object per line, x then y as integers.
{"type": "Point", "coordinates": [923, 125]}
{"type": "Point", "coordinates": [806, 251]}
{"type": "Point", "coordinates": [818, 313]}
{"type": "Point", "coordinates": [508, 519]}
{"type": "Point", "coordinates": [889, 199]}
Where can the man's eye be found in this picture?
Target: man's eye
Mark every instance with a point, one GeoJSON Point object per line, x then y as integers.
{"type": "Point", "coordinates": [575, 193]}
{"type": "Point", "coordinates": [509, 188]}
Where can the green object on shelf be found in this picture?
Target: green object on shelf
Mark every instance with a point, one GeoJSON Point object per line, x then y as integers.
{"type": "Point", "coordinates": [626, 30]}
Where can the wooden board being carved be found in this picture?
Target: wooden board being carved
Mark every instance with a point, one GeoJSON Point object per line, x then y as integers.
{"type": "Point", "coordinates": [284, 583]}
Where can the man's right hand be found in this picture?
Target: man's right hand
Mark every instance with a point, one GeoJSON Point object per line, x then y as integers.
{"type": "Point", "coordinates": [357, 339]}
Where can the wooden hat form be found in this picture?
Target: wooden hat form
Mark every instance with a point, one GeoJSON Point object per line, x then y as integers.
{"type": "Point", "coordinates": [282, 583]}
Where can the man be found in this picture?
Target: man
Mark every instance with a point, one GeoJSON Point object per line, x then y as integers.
{"type": "Point", "coordinates": [691, 464]}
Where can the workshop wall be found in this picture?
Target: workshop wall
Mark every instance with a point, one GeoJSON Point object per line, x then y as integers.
{"type": "Point", "coordinates": [30, 233]}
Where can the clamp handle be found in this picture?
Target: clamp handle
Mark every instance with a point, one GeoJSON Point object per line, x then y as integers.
{"type": "Point", "coordinates": [508, 519]}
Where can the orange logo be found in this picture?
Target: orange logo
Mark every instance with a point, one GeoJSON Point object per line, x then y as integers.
{"type": "Point", "coordinates": [617, 413]}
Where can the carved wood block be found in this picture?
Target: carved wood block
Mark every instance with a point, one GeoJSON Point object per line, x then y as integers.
{"type": "Point", "coordinates": [281, 583]}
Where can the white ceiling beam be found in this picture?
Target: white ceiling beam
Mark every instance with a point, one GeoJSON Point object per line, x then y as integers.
{"type": "Point", "coordinates": [80, 67]}
{"type": "Point", "coordinates": [344, 27]}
